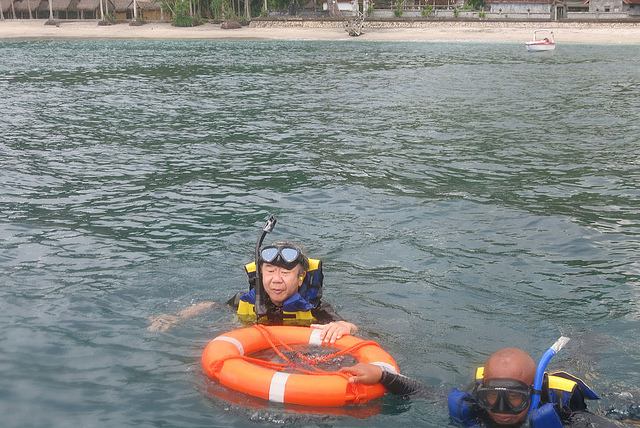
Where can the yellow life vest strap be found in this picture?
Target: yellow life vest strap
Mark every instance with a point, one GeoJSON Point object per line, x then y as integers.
{"type": "Point", "coordinates": [561, 383]}
{"type": "Point", "coordinates": [555, 382]}
{"type": "Point", "coordinates": [480, 374]}
{"type": "Point", "coordinates": [246, 309]}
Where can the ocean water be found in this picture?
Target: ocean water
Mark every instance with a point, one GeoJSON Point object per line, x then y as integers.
{"type": "Point", "coordinates": [463, 197]}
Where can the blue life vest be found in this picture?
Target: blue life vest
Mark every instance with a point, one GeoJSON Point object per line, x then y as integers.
{"type": "Point", "coordinates": [459, 403]}
{"type": "Point", "coordinates": [297, 306]}
{"type": "Point", "coordinates": [562, 391]}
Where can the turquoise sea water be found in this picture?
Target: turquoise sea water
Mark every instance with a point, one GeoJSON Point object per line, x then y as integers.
{"type": "Point", "coordinates": [463, 197]}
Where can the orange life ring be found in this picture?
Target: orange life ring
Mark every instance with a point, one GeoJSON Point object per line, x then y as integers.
{"type": "Point", "coordinates": [222, 360]}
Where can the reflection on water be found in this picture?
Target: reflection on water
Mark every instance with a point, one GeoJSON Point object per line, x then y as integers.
{"type": "Point", "coordinates": [463, 197]}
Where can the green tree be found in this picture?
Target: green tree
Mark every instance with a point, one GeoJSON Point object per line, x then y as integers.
{"type": "Point", "coordinates": [477, 4]}
{"type": "Point", "coordinates": [184, 12]}
{"type": "Point", "coordinates": [220, 9]}
{"type": "Point", "coordinates": [399, 9]}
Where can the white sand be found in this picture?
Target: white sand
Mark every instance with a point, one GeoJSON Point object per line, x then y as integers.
{"type": "Point", "coordinates": [433, 31]}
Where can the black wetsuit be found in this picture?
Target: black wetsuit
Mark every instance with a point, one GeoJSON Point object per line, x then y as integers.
{"type": "Point", "coordinates": [401, 385]}
{"type": "Point", "coordinates": [398, 384]}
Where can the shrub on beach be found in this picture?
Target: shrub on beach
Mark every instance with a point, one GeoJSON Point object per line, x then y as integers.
{"type": "Point", "coordinates": [183, 16]}
{"type": "Point", "coordinates": [185, 21]}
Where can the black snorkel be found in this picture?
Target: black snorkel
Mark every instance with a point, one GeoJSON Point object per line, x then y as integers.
{"type": "Point", "coordinates": [259, 306]}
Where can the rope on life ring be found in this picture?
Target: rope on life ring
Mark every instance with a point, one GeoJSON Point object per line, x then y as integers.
{"type": "Point", "coordinates": [227, 359]}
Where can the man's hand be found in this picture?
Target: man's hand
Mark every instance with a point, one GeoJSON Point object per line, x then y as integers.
{"type": "Point", "coordinates": [363, 373]}
{"type": "Point", "coordinates": [335, 330]}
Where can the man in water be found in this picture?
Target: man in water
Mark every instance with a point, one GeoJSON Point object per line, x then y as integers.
{"type": "Point", "coordinates": [501, 396]}
{"type": "Point", "coordinates": [283, 270]}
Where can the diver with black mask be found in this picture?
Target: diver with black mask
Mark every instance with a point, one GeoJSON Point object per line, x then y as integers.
{"type": "Point", "coordinates": [502, 394]}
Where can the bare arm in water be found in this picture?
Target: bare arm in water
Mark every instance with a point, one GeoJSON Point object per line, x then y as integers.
{"type": "Point", "coordinates": [166, 321]}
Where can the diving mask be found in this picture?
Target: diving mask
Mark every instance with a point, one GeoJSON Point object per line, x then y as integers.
{"type": "Point", "coordinates": [286, 254]}
{"type": "Point", "coordinates": [507, 396]}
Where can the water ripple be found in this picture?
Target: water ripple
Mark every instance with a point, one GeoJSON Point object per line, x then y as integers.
{"type": "Point", "coordinates": [468, 194]}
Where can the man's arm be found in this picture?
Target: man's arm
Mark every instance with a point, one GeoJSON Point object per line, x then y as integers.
{"type": "Point", "coordinates": [588, 419]}
{"type": "Point", "coordinates": [398, 384]}
{"type": "Point", "coordinates": [325, 313]}
{"type": "Point", "coordinates": [395, 383]}
{"type": "Point", "coordinates": [166, 321]}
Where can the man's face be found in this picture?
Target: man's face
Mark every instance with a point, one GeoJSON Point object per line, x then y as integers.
{"type": "Point", "coordinates": [505, 419]}
{"type": "Point", "coordinates": [505, 400]}
{"type": "Point", "coordinates": [280, 283]}
{"type": "Point", "coordinates": [510, 372]}
{"type": "Point", "coordinates": [508, 376]}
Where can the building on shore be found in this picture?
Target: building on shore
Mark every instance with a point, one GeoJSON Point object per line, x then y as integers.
{"type": "Point", "coordinates": [571, 9]}
{"type": "Point", "coordinates": [80, 9]}
{"type": "Point", "coordinates": [552, 10]}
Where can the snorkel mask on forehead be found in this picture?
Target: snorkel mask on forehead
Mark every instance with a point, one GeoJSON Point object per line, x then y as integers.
{"type": "Point", "coordinates": [284, 254]}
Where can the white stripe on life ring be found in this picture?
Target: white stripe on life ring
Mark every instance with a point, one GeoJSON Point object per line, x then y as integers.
{"type": "Point", "coordinates": [232, 340]}
{"type": "Point", "coordinates": [314, 339]}
{"type": "Point", "coordinates": [385, 366]}
{"type": "Point", "coordinates": [278, 384]}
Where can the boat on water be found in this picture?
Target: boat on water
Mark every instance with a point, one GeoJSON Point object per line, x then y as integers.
{"type": "Point", "coordinates": [544, 43]}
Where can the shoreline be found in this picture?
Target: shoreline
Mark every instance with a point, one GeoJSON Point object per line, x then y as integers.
{"type": "Point", "coordinates": [435, 31]}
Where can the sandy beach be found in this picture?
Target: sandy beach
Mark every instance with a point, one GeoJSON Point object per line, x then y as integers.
{"type": "Point", "coordinates": [417, 31]}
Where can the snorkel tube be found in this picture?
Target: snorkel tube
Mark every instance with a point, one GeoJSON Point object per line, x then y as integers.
{"type": "Point", "coordinates": [542, 366]}
{"type": "Point", "coordinates": [259, 306]}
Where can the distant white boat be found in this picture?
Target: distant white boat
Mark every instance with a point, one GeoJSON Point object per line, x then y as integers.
{"type": "Point", "coordinates": [541, 44]}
